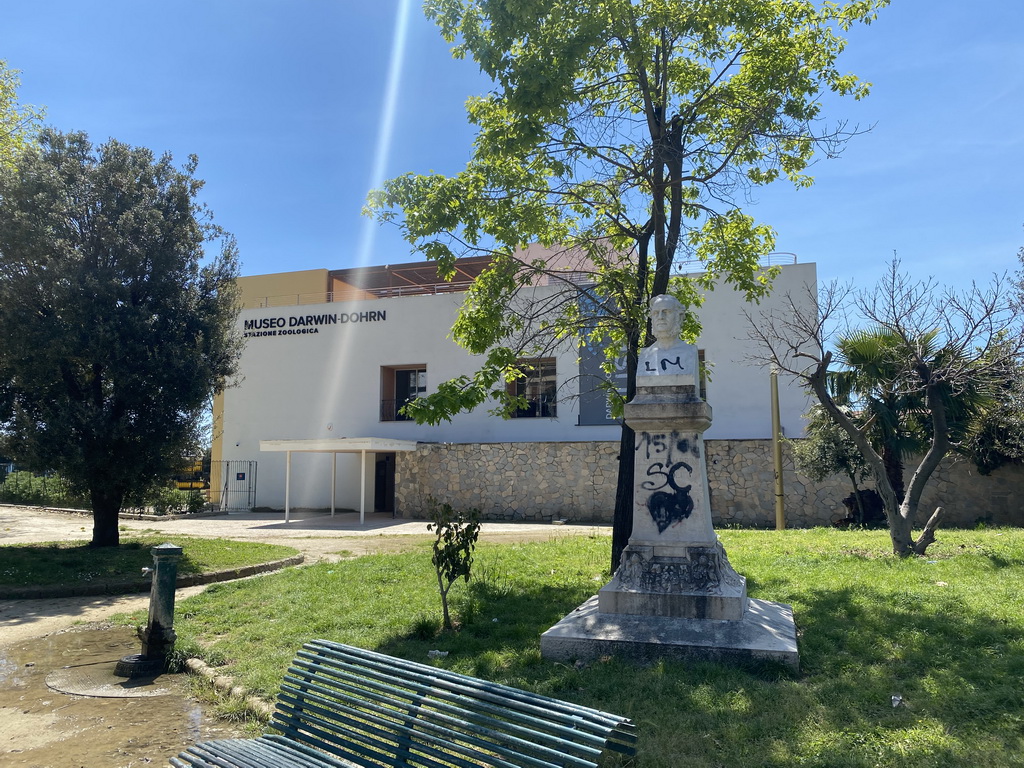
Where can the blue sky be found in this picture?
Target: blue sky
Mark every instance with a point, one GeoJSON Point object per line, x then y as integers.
{"type": "Point", "coordinates": [285, 104]}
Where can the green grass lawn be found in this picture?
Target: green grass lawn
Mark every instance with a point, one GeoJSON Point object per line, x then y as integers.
{"type": "Point", "coordinates": [75, 562]}
{"type": "Point", "coordinates": [945, 633]}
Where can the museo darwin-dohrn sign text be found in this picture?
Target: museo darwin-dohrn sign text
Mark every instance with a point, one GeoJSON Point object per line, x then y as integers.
{"type": "Point", "coordinates": [299, 325]}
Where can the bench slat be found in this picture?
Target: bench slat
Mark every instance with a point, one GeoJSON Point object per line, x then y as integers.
{"type": "Point", "coordinates": [450, 696]}
{"type": "Point", "coordinates": [613, 732]}
{"type": "Point", "coordinates": [420, 735]}
{"type": "Point", "coordinates": [454, 712]}
{"type": "Point", "coordinates": [619, 731]}
{"type": "Point", "coordinates": [503, 694]}
{"type": "Point", "coordinates": [363, 742]}
{"type": "Point", "coordinates": [345, 707]}
{"type": "Point", "coordinates": [286, 744]}
{"type": "Point", "coordinates": [259, 753]}
{"type": "Point", "coordinates": [451, 722]}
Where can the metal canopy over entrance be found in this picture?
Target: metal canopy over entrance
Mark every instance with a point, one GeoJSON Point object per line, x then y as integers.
{"type": "Point", "coordinates": [360, 445]}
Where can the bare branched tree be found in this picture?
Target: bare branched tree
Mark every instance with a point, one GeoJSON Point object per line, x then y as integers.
{"type": "Point", "coordinates": [912, 359]}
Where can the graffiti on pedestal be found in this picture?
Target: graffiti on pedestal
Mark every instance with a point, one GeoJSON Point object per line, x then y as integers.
{"type": "Point", "coordinates": [670, 501]}
{"type": "Point", "coordinates": [668, 507]}
{"type": "Point", "coordinates": [704, 569]}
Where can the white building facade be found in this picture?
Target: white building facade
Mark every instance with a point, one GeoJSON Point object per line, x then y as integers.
{"type": "Point", "coordinates": [334, 355]}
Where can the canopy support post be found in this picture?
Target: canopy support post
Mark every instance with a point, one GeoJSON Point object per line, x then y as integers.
{"type": "Point", "coordinates": [362, 489]}
{"type": "Point", "coordinates": [334, 479]}
{"type": "Point", "coordinates": [288, 486]}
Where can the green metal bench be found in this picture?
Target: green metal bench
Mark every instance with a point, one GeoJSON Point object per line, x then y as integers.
{"type": "Point", "coordinates": [343, 706]}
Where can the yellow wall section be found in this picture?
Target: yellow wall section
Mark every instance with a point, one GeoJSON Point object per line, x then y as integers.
{"type": "Point", "coordinates": [284, 289]}
{"type": "Point", "coordinates": [217, 445]}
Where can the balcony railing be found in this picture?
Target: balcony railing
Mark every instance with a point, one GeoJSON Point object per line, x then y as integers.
{"type": "Point", "coordinates": [695, 266]}
{"type": "Point", "coordinates": [543, 407]}
{"type": "Point", "coordinates": [389, 410]}
{"type": "Point", "coordinates": [354, 294]}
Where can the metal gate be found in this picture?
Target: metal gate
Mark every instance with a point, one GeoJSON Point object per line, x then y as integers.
{"type": "Point", "coordinates": [233, 485]}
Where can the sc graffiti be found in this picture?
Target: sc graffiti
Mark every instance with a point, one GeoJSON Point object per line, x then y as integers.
{"type": "Point", "coordinates": [667, 507]}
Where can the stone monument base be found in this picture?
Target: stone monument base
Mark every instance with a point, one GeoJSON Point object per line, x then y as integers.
{"type": "Point", "coordinates": [766, 632]}
{"type": "Point", "coordinates": [683, 582]}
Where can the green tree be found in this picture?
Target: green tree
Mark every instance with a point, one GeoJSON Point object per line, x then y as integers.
{"type": "Point", "coordinates": [119, 325]}
{"type": "Point", "coordinates": [1018, 281]}
{"type": "Point", "coordinates": [922, 372]}
{"type": "Point", "coordinates": [455, 539]}
{"type": "Point", "coordinates": [827, 450]}
{"type": "Point", "coordinates": [996, 436]}
{"type": "Point", "coordinates": [18, 122]}
{"type": "Point", "coordinates": [623, 136]}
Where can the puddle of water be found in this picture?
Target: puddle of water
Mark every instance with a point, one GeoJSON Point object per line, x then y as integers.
{"type": "Point", "coordinates": [98, 680]}
{"type": "Point", "coordinates": [8, 671]}
{"type": "Point", "coordinates": [40, 727]}
{"type": "Point", "coordinates": [195, 723]}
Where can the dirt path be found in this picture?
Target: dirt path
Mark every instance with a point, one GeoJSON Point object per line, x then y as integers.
{"type": "Point", "coordinates": [41, 728]}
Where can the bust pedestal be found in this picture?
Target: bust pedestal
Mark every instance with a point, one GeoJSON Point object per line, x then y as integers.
{"type": "Point", "coordinates": [674, 564]}
{"type": "Point", "coordinates": [674, 593]}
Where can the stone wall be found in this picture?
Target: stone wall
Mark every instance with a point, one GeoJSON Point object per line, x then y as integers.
{"type": "Point", "coordinates": [740, 477]}
{"type": "Point", "coordinates": [576, 482]}
{"type": "Point", "coordinates": [511, 481]}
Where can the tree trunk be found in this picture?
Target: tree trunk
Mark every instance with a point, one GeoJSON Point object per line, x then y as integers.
{"type": "Point", "coordinates": [903, 543]}
{"type": "Point", "coordinates": [106, 505]}
{"type": "Point", "coordinates": [816, 381]}
{"type": "Point", "coordinates": [446, 616]}
{"type": "Point", "coordinates": [901, 531]}
{"type": "Point", "coordinates": [894, 471]}
{"type": "Point", "coordinates": [622, 523]}
{"type": "Point", "coordinates": [856, 498]}
{"type": "Point", "coordinates": [939, 447]}
{"type": "Point", "coordinates": [927, 537]}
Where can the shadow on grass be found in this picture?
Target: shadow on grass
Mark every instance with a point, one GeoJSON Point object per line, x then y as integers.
{"type": "Point", "coordinates": [496, 621]}
{"type": "Point", "coordinates": [75, 563]}
{"type": "Point", "coordinates": [66, 569]}
{"type": "Point", "coordinates": [956, 669]}
{"type": "Point", "coordinates": [998, 561]}
{"type": "Point", "coordinates": [940, 654]}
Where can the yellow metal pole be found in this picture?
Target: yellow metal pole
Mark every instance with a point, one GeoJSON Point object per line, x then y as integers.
{"type": "Point", "coordinates": [780, 503]}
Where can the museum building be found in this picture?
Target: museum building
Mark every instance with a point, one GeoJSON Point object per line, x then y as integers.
{"type": "Point", "coordinates": [331, 356]}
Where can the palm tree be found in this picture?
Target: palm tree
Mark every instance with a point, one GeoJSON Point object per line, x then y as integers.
{"type": "Point", "coordinates": [895, 399]}
{"type": "Point", "coordinates": [873, 385]}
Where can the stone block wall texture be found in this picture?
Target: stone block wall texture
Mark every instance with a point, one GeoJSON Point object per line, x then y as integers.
{"type": "Point", "coordinates": [575, 482]}
{"type": "Point", "coordinates": [511, 481]}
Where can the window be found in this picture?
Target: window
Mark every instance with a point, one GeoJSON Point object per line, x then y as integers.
{"type": "Point", "coordinates": [400, 384]}
{"type": "Point", "coordinates": [538, 387]}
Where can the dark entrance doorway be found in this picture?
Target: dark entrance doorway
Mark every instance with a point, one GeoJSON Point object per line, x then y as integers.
{"type": "Point", "coordinates": [384, 483]}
